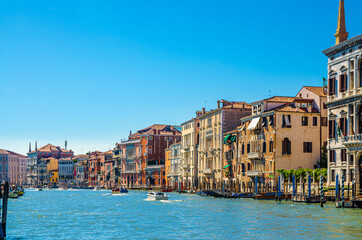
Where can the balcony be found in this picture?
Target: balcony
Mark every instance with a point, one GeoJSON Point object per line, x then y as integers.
{"type": "Point", "coordinates": [352, 140]}
{"type": "Point", "coordinates": [152, 167]}
{"type": "Point", "coordinates": [207, 171]}
{"type": "Point", "coordinates": [185, 166]}
{"type": "Point", "coordinates": [254, 155]}
{"type": "Point", "coordinates": [186, 147]}
{"type": "Point", "coordinates": [253, 173]}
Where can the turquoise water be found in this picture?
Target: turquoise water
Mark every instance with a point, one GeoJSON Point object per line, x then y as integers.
{"type": "Point", "coordinates": [86, 214]}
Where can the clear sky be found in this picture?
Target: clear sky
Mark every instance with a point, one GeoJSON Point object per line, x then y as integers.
{"type": "Point", "coordinates": [91, 71]}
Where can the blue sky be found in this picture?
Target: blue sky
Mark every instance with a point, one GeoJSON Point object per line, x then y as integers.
{"type": "Point", "coordinates": [91, 71]}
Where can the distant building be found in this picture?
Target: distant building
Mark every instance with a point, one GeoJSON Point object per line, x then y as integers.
{"type": "Point", "coordinates": [37, 169]}
{"type": "Point", "coordinates": [344, 105]}
{"type": "Point", "coordinates": [189, 151]}
{"type": "Point", "coordinates": [146, 155]}
{"type": "Point", "coordinates": [12, 167]}
{"type": "Point", "coordinates": [174, 175]}
{"type": "Point", "coordinates": [66, 170]}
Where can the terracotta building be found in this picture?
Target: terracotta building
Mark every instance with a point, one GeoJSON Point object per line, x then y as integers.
{"type": "Point", "coordinates": [153, 141]}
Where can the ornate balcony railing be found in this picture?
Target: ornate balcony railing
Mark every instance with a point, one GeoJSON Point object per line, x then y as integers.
{"type": "Point", "coordinates": [253, 173]}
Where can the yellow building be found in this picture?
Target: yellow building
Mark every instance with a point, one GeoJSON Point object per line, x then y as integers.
{"type": "Point", "coordinates": [281, 133]}
{"type": "Point", "coordinates": [167, 165]}
{"type": "Point", "coordinates": [54, 177]}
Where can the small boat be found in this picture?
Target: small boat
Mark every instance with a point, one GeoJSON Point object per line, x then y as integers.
{"type": "Point", "coordinates": [119, 190]}
{"type": "Point", "coordinates": [357, 202]}
{"type": "Point", "coordinates": [13, 195]}
{"type": "Point", "coordinates": [157, 196]}
{"type": "Point", "coordinates": [166, 190]}
{"type": "Point", "coordinates": [39, 189]}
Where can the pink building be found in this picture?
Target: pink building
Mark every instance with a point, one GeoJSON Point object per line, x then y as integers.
{"type": "Point", "coordinates": [13, 167]}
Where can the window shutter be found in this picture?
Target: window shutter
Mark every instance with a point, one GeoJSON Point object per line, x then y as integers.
{"type": "Point", "coordinates": [345, 82]}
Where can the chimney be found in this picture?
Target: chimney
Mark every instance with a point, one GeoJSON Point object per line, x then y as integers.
{"type": "Point", "coordinates": [218, 104]}
{"type": "Point", "coordinates": [130, 132]}
{"type": "Point", "coordinates": [203, 110]}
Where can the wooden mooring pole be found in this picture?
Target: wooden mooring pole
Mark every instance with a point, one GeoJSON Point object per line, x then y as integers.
{"type": "Point", "coordinates": [4, 211]}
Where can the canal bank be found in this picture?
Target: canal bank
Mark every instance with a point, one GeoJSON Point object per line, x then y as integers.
{"type": "Point", "coordinates": [85, 214]}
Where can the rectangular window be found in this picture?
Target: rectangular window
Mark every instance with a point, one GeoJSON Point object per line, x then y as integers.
{"type": "Point", "coordinates": [264, 147]}
{"type": "Point", "coordinates": [333, 176]}
{"type": "Point", "coordinates": [286, 121]}
{"type": "Point", "coordinates": [271, 120]}
{"type": "Point", "coordinates": [304, 121]}
{"type": "Point", "coordinates": [331, 87]}
{"type": "Point", "coordinates": [264, 122]}
{"type": "Point", "coordinates": [324, 121]}
{"type": "Point", "coordinates": [332, 156]}
{"type": "Point", "coordinates": [331, 128]}
{"type": "Point", "coordinates": [315, 121]}
{"type": "Point", "coordinates": [242, 149]}
{"type": "Point", "coordinates": [343, 82]}
{"type": "Point", "coordinates": [343, 155]}
{"type": "Point", "coordinates": [307, 147]}
{"type": "Point", "coordinates": [271, 146]}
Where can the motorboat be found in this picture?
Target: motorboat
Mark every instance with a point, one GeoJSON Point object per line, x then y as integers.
{"type": "Point", "coordinates": [157, 196]}
{"type": "Point", "coordinates": [119, 190]}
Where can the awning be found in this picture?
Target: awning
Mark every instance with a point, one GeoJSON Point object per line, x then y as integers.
{"type": "Point", "coordinates": [227, 166]}
{"type": "Point", "coordinates": [253, 123]}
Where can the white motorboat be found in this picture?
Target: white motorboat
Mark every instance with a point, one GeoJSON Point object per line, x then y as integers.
{"type": "Point", "coordinates": [157, 196]}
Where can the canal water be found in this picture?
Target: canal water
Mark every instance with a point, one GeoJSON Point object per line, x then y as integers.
{"type": "Point", "coordinates": [87, 214]}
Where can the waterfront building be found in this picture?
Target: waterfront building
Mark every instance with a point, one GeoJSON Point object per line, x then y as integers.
{"type": "Point", "coordinates": [130, 155]}
{"type": "Point", "coordinates": [12, 167]}
{"type": "Point", "coordinates": [108, 166]}
{"type": "Point", "coordinates": [168, 166]}
{"type": "Point", "coordinates": [37, 169]}
{"type": "Point", "coordinates": [234, 168]}
{"type": "Point", "coordinates": [52, 171]}
{"type": "Point", "coordinates": [344, 105]}
{"type": "Point", "coordinates": [189, 151]}
{"type": "Point", "coordinates": [213, 124]}
{"type": "Point", "coordinates": [282, 133]}
{"type": "Point", "coordinates": [174, 175]}
{"type": "Point", "coordinates": [94, 168]}
{"type": "Point", "coordinates": [80, 170]}
{"type": "Point", "coordinates": [153, 141]}
{"type": "Point", "coordinates": [117, 166]}
{"type": "Point", "coordinates": [66, 171]}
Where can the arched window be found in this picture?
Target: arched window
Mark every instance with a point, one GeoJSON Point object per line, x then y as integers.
{"type": "Point", "coordinates": [243, 148]}
{"type": "Point", "coordinates": [264, 147]}
{"type": "Point", "coordinates": [248, 148]}
{"type": "Point", "coordinates": [249, 166]}
{"type": "Point", "coordinates": [271, 145]}
{"type": "Point", "coordinates": [286, 146]}
{"type": "Point", "coordinates": [243, 167]}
